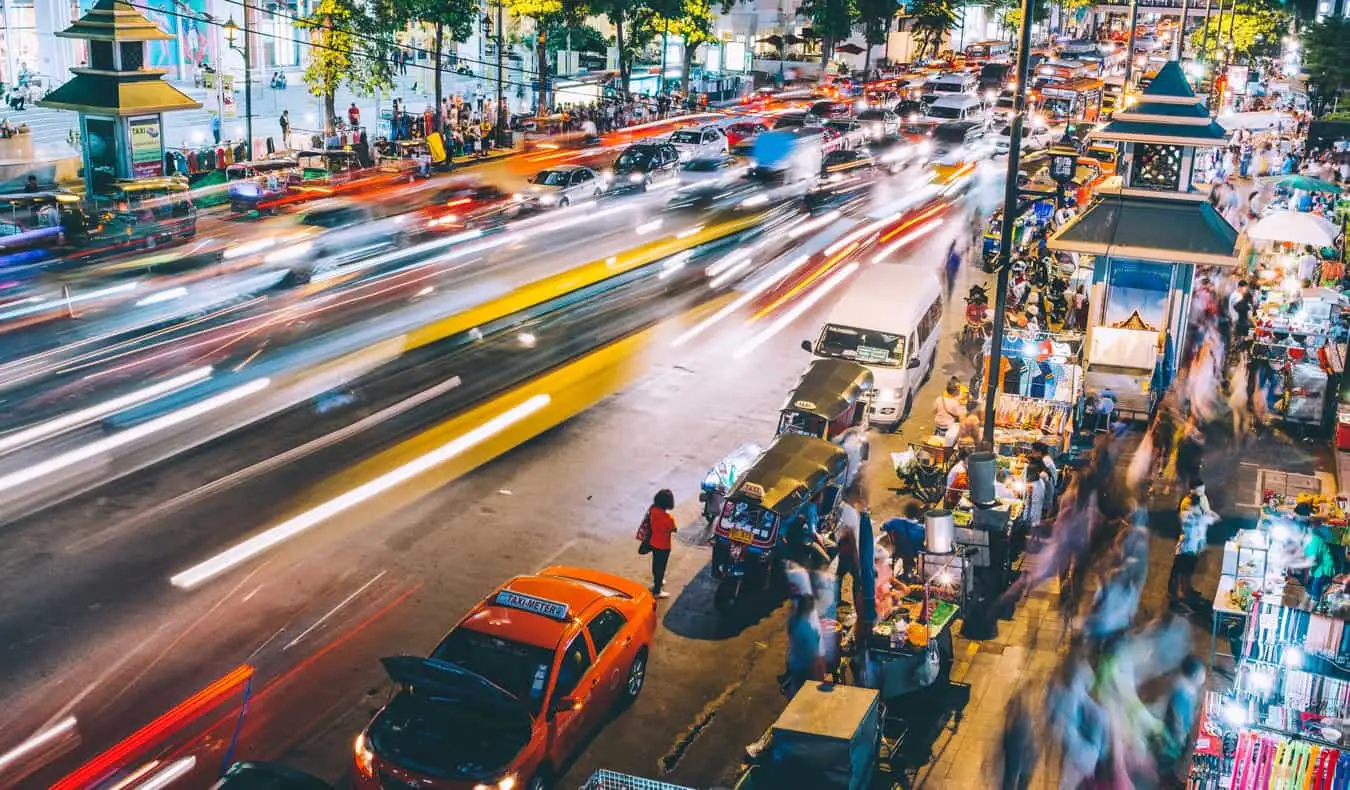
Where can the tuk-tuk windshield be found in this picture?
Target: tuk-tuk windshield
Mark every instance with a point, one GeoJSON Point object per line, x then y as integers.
{"type": "Point", "coordinates": [864, 346]}
{"type": "Point", "coordinates": [747, 516]}
{"type": "Point", "coordinates": [801, 423]}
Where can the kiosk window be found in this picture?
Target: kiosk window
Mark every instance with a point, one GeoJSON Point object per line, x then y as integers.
{"type": "Point", "coordinates": [576, 660]}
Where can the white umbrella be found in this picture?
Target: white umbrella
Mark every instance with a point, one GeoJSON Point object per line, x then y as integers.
{"type": "Point", "coordinates": [1293, 227]}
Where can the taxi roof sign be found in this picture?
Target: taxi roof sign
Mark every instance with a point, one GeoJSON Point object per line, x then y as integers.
{"type": "Point", "coordinates": [528, 603]}
{"type": "Point", "coordinates": [753, 490]}
{"type": "Point", "coordinates": [804, 404]}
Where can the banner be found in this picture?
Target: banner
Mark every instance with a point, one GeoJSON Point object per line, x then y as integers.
{"type": "Point", "coordinates": [147, 147]}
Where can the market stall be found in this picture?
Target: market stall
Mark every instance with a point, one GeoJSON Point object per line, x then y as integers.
{"type": "Point", "coordinates": [1297, 344]}
{"type": "Point", "coordinates": [1041, 384]}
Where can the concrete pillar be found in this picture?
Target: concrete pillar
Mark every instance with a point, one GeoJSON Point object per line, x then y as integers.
{"type": "Point", "coordinates": [55, 55]}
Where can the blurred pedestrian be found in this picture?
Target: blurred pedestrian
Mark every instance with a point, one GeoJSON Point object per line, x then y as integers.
{"type": "Point", "coordinates": [1077, 722]}
{"type": "Point", "coordinates": [846, 538]}
{"type": "Point", "coordinates": [1196, 518]}
{"type": "Point", "coordinates": [660, 527]}
{"type": "Point", "coordinates": [1021, 748]}
{"type": "Point", "coordinates": [1178, 720]}
{"type": "Point", "coordinates": [804, 660]}
{"type": "Point", "coordinates": [285, 123]}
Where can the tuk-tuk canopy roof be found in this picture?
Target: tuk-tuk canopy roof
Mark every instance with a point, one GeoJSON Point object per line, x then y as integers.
{"type": "Point", "coordinates": [276, 163]}
{"type": "Point", "coordinates": [828, 387]}
{"type": "Point", "coordinates": [790, 472]}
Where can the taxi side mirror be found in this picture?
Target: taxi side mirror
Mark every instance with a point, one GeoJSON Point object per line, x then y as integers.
{"type": "Point", "coordinates": [563, 704]}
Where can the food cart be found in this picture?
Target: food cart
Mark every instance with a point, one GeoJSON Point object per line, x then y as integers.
{"type": "Point", "coordinates": [1297, 339]}
{"type": "Point", "coordinates": [828, 738]}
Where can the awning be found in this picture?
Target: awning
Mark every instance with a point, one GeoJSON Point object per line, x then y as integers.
{"type": "Point", "coordinates": [1150, 229]}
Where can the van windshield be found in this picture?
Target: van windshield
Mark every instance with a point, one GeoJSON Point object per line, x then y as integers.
{"type": "Point", "coordinates": [865, 346]}
{"type": "Point", "coordinates": [939, 111]}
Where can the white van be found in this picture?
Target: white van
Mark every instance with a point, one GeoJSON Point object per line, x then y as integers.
{"type": "Point", "coordinates": [889, 321]}
{"type": "Point", "coordinates": [957, 107]}
{"type": "Point", "coordinates": [956, 82]}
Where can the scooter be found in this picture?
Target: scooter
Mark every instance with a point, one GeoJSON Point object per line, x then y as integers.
{"type": "Point", "coordinates": [977, 316]}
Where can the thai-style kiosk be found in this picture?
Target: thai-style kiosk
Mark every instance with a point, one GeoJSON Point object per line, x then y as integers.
{"type": "Point", "coordinates": [120, 99]}
{"type": "Point", "coordinates": [1147, 237]}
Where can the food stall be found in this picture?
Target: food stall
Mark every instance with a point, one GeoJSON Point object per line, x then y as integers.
{"type": "Point", "coordinates": [1298, 337]}
{"type": "Point", "coordinates": [828, 738]}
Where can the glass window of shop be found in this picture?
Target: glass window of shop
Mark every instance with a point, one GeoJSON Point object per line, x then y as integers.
{"type": "Point", "coordinates": [280, 38]}
{"type": "Point", "coordinates": [19, 39]}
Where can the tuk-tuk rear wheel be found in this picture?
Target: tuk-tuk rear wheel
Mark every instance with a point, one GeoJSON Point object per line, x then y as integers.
{"type": "Point", "coordinates": [726, 595]}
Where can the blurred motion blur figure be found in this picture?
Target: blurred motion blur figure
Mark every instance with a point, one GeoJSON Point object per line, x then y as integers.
{"type": "Point", "coordinates": [1077, 722]}
{"type": "Point", "coordinates": [1178, 719]}
{"type": "Point", "coordinates": [1196, 518]}
{"type": "Point", "coordinates": [1021, 748]}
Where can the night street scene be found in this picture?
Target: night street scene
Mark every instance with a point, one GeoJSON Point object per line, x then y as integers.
{"type": "Point", "coordinates": [674, 394]}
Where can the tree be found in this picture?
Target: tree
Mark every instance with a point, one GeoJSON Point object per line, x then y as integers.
{"type": "Point", "coordinates": [929, 21]}
{"type": "Point", "coordinates": [832, 20]}
{"type": "Point", "coordinates": [1257, 29]}
{"type": "Point", "coordinates": [1326, 58]}
{"type": "Point", "coordinates": [456, 20]}
{"type": "Point", "coordinates": [350, 49]}
{"type": "Point", "coordinates": [636, 24]}
{"type": "Point", "coordinates": [875, 17]}
{"type": "Point", "coordinates": [695, 24]}
{"type": "Point", "coordinates": [545, 13]}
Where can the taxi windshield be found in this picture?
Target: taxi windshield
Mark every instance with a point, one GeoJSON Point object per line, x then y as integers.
{"type": "Point", "coordinates": [748, 516]}
{"type": "Point", "coordinates": [521, 670]}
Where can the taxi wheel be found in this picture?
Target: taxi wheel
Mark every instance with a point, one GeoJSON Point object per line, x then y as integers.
{"type": "Point", "coordinates": [637, 678]}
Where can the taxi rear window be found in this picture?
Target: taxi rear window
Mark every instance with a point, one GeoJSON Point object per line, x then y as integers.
{"type": "Point", "coordinates": [602, 589]}
{"type": "Point", "coordinates": [522, 670]}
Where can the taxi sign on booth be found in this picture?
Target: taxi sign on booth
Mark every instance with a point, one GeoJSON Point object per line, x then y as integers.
{"type": "Point", "coordinates": [753, 490]}
{"type": "Point", "coordinates": [528, 603]}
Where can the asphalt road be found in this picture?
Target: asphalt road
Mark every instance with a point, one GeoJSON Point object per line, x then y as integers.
{"type": "Point", "coordinates": [102, 634]}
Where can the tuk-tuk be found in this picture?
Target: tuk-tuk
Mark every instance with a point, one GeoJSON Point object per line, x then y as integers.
{"type": "Point", "coordinates": [830, 397]}
{"type": "Point", "coordinates": [323, 170]}
{"type": "Point", "coordinates": [35, 225]}
{"type": "Point", "coordinates": [261, 184]}
{"type": "Point", "coordinates": [145, 211]}
{"type": "Point", "coordinates": [771, 501]}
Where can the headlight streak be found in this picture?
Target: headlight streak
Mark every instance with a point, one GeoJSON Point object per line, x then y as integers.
{"type": "Point", "coordinates": [163, 296]}
{"type": "Point", "coordinates": [906, 239]}
{"type": "Point", "coordinates": [61, 729]}
{"type": "Point", "coordinates": [814, 224]}
{"type": "Point", "coordinates": [796, 310]}
{"type": "Point", "coordinates": [34, 472]}
{"type": "Point", "coordinates": [40, 307]}
{"type": "Point", "coordinates": [288, 529]}
{"type": "Point", "coordinates": [741, 301]}
{"type": "Point", "coordinates": [74, 419]}
{"type": "Point", "coordinates": [168, 776]}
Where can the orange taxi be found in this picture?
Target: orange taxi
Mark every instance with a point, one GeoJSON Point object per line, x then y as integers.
{"type": "Point", "coordinates": [515, 688]}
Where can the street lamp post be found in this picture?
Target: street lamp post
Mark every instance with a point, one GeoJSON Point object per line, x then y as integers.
{"type": "Point", "coordinates": [231, 30]}
{"type": "Point", "coordinates": [1129, 53]}
{"type": "Point", "coordinates": [1180, 47]}
{"type": "Point", "coordinates": [1010, 193]}
{"type": "Point", "coordinates": [502, 116]}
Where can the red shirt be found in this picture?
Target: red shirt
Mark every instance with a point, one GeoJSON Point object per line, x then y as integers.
{"type": "Point", "coordinates": [662, 525]}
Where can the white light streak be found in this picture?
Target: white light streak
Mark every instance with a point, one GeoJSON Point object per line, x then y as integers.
{"type": "Point", "coordinates": [906, 239]}
{"type": "Point", "coordinates": [163, 296]}
{"type": "Point", "coordinates": [61, 729]}
{"type": "Point", "coordinates": [288, 529]}
{"type": "Point", "coordinates": [168, 776]}
{"type": "Point", "coordinates": [797, 310]}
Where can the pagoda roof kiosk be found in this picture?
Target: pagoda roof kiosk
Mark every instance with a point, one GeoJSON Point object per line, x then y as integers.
{"type": "Point", "coordinates": [1146, 236]}
{"type": "Point", "coordinates": [121, 101]}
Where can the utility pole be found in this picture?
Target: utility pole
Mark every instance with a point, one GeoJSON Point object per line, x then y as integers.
{"type": "Point", "coordinates": [665, 47]}
{"type": "Point", "coordinates": [248, 82]}
{"type": "Point", "coordinates": [1010, 195]}
{"type": "Point", "coordinates": [1179, 49]}
{"type": "Point", "coordinates": [502, 117]}
{"type": "Point", "coordinates": [1129, 54]}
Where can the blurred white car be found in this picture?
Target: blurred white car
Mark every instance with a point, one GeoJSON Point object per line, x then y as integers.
{"type": "Point", "coordinates": [712, 170]}
{"type": "Point", "coordinates": [562, 186]}
{"type": "Point", "coordinates": [699, 142]}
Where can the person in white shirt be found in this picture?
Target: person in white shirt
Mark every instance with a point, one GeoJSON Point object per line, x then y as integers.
{"type": "Point", "coordinates": [1307, 265]}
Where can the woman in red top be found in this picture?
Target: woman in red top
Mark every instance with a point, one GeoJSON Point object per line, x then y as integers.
{"type": "Point", "coordinates": [660, 526]}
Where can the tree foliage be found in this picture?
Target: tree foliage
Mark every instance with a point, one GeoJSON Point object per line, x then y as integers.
{"type": "Point", "coordinates": [832, 20]}
{"type": "Point", "coordinates": [350, 48]}
{"type": "Point", "coordinates": [875, 17]}
{"type": "Point", "coordinates": [1257, 28]}
{"type": "Point", "coordinates": [1326, 58]}
{"type": "Point", "coordinates": [929, 21]}
{"type": "Point", "coordinates": [695, 21]}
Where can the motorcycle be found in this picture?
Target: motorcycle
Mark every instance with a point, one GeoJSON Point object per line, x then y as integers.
{"type": "Point", "coordinates": [977, 317]}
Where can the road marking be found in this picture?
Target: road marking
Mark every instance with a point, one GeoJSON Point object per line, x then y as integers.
{"type": "Point", "coordinates": [333, 611]}
{"type": "Point", "coordinates": [552, 558]}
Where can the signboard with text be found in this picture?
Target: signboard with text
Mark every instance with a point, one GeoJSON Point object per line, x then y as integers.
{"type": "Point", "coordinates": [147, 146]}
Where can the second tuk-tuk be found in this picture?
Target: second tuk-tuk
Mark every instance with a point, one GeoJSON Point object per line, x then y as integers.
{"type": "Point", "coordinates": [830, 397]}
{"type": "Point", "coordinates": [326, 171]}
{"type": "Point", "coordinates": [772, 502]}
{"type": "Point", "coordinates": [142, 212]}
{"type": "Point", "coordinates": [260, 185]}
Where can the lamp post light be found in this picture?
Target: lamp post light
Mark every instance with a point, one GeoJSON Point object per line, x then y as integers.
{"type": "Point", "coordinates": [502, 116]}
{"type": "Point", "coordinates": [231, 31]}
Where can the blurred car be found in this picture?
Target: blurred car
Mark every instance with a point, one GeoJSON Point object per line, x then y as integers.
{"type": "Point", "coordinates": [851, 134]}
{"type": "Point", "coordinates": [881, 99]}
{"type": "Point", "coordinates": [712, 170]}
{"type": "Point", "coordinates": [561, 187]}
{"type": "Point", "coordinates": [842, 163]}
{"type": "Point", "coordinates": [268, 776]}
{"type": "Point", "coordinates": [516, 687]}
{"type": "Point", "coordinates": [895, 152]}
{"type": "Point", "coordinates": [466, 206]}
{"type": "Point", "coordinates": [760, 99]}
{"type": "Point", "coordinates": [791, 120]}
{"type": "Point", "coordinates": [643, 164]}
{"type": "Point", "coordinates": [339, 229]}
{"type": "Point", "coordinates": [742, 131]}
{"type": "Point", "coordinates": [698, 142]}
{"type": "Point", "coordinates": [1034, 137]}
{"type": "Point", "coordinates": [828, 110]}
{"type": "Point", "coordinates": [909, 110]}
{"type": "Point", "coordinates": [879, 123]}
